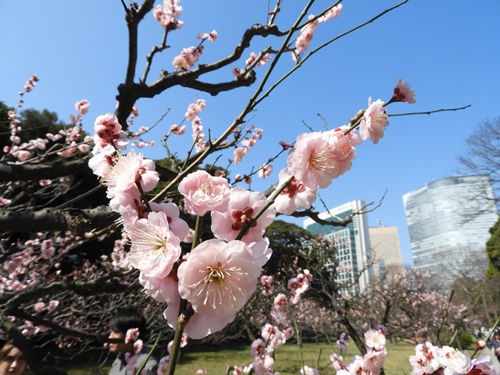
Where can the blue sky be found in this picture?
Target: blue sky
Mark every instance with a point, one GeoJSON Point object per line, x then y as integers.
{"type": "Point", "coordinates": [448, 50]}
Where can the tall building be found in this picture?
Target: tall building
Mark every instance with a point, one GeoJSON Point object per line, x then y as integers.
{"type": "Point", "coordinates": [352, 243]}
{"type": "Point", "coordinates": [449, 225]}
{"type": "Point", "coordinates": [386, 250]}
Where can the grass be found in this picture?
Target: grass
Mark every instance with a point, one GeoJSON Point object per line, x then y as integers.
{"type": "Point", "coordinates": [289, 357]}
{"type": "Point", "coordinates": [288, 360]}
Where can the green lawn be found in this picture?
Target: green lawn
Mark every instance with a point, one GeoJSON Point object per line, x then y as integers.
{"type": "Point", "coordinates": [288, 360]}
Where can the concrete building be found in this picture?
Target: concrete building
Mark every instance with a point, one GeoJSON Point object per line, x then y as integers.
{"type": "Point", "coordinates": [352, 243]}
{"type": "Point", "coordinates": [449, 226]}
{"type": "Point", "coordinates": [386, 250]}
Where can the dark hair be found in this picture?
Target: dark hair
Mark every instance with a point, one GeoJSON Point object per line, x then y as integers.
{"type": "Point", "coordinates": [129, 318]}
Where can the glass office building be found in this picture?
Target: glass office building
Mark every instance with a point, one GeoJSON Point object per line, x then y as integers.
{"type": "Point", "coordinates": [448, 222]}
{"type": "Point", "coordinates": [352, 243]}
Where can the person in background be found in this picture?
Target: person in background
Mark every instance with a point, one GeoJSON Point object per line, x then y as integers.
{"type": "Point", "coordinates": [130, 356]}
{"type": "Point", "coordinates": [12, 361]}
{"type": "Point", "coordinates": [494, 343]}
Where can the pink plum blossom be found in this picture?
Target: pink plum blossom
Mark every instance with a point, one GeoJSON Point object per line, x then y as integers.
{"type": "Point", "coordinates": [194, 109]}
{"type": "Point", "coordinates": [425, 360]}
{"type": "Point", "coordinates": [480, 344]}
{"type": "Point", "coordinates": [82, 106]}
{"type": "Point", "coordinates": [374, 339]}
{"type": "Point", "coordinates": [203, 192]}
{"type": "Point", "coordinates": [68, 152]}
{"type": "Point", "coordinates": [162, 289]}
{"type": "Point", "coordinates": [374, 121]}
{"type": "Point", "coordinates": [280, 301]}
{"type": "Point", "coordinates": [265, 171]}
{"type": "Point", "coordinates": [243, 206]}
{"type": "Point", "coordinates": [167, 14]}
{"type": "Point", "coordinates": [373, 361]}
{"type": "Point", "coordinates": [128, 171]}
{"type": "Point", "coordinates": [239, 152]}
{"type": "Point", "coordinates": [138, 345]}
{"type": "Point", "coordinates": [154, 248]}
{"type": "Point", "coordinates": [5, 201]}
{"type": "Point", "coordinates": [131, 335]}
{"type": "Point", "coordinates": [39, 307]}
{"type": "Point", "coordinates": [53, 305]}
{"type": "Point", "coordinates": [218, 278]}
{"type": "Point", "coordinates": [178, 130]}
{"type": "Point", "coordinates": [257, 348]}
{"type": "Point", "coordinates": [176, 225]}
{"type": "Point", "coordinates": [108, 131]}
{"type": "Point", "coordinates": [315, 159]}
{"type": "Point", "coordinates": [267, 283]}
{"type": "Point", "coordinates": [211, 36]}
{"type": "Point", "coordinates": [253, 56]}
{"type": "Point", "coordinates": [187, 58]}
{"type": "Point", "coordinates": [295, 196]}
{"type": "Point", "coordinates": [263, 364]}
{"type": "Point", "coordinates": [403, 93]}
{"type": "Point", "coordinates": [332, 13]}
{"type": "Point", "coordinates": [305, 36]}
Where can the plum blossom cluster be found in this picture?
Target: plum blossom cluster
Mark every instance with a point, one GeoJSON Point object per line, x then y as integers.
{"type": "Point", "coordinates": [319, 157]}
{"type": "Point", "coordinates": [430, 360]}
{"type": "Point", "coordinates": [307, 32]}
{"type": "Point", "coordinates": [131, 358]}
{"type": "Point", "coordinates": [253, 60]}
{"type": "Point", "coordinates": [218, 276]}
{"type": "Point", "coordinates": [30, 83]}
{"type": "Point", "coordinates": [190, 56]}
{"type": "Point", "coordinates": [191, 114]}
{"type": "Point", "coordinates": [82, 107]}
{"type": "Point", "coordinates": [343, 342]}
{"type": "Point", "coordinates": [167, 14]}
{"type": "Point", "coordinates": [371, 363]}
{"type": "Point", "coordinates": [253, 135]}
{"type": "Point", "coordinates": [13, 115]}
{"type": "Point", "coordinates": [71, 139]}
{"type": "Point", "coordinates": [44, 251]}
{"type": "Point", "coordinates": [298, 285]}
{"type": "Point", "coordinates": [273, 336]}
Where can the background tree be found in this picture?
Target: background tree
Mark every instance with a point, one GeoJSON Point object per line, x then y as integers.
{"type": "Point", "coordinates": [483, 154]}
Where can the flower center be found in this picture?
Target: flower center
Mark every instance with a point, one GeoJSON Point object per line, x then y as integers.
{"type": "Point", "coordinates": [293, 188]}
{"type": "Point", "coordinates": [323, 161]}
{"type": "Point", "coordinates": [241, 217]}
{"type": "Point", "coordinates": [220, 284]}
{"type": "Point", "coordinates": [207, 187]}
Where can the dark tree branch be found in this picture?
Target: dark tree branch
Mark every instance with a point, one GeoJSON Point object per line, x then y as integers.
{"type": "Point", "coordinates": [50, 219]}
{"type": "Point", "coordinates": [215, 88]}
{"type": "Point", "coordinates": [129, 92]}
{"type": "Point", "coordinates": [35, 172]}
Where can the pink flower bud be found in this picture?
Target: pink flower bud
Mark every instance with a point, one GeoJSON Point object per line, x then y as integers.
{"type": "Point", "coordinates": [480, 345]}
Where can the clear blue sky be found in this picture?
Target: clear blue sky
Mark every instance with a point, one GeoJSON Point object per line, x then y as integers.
{"type": "Point", "coordinates": [448, 50]}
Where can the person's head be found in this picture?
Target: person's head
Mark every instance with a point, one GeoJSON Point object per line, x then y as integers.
{"type": "Point", "coordinates": [496, 334]}
{"type": "Point", "coordinates": [12, 361]}
{"type": "Point", "coordinates": [119, 325]}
